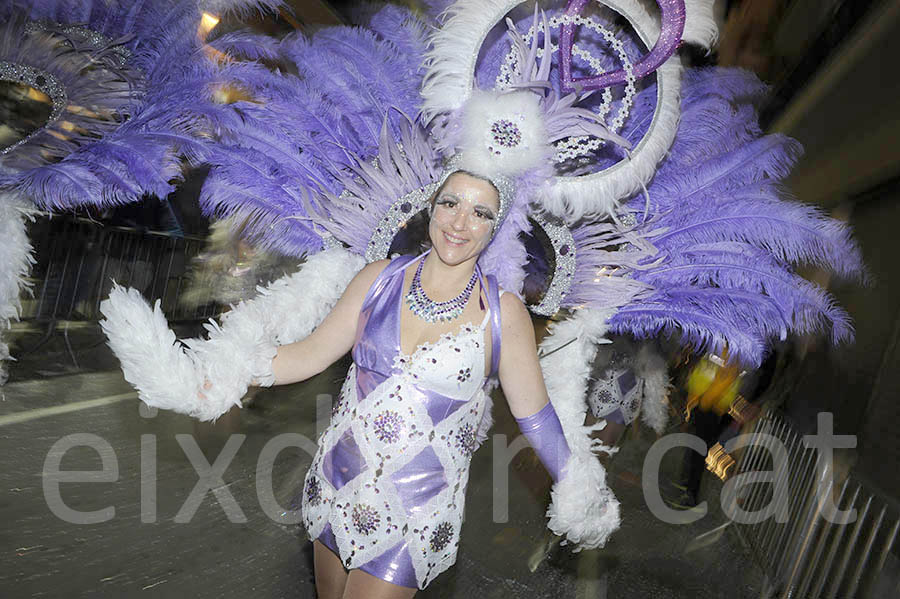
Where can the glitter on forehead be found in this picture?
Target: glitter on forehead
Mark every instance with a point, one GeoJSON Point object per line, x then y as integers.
{"type": "Point", "coordinates": [505, 188]}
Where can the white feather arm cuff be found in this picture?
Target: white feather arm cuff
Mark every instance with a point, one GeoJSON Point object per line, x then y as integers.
{"type": "Point", "coordinates": [238, 351]}
{"type": "Point", "coordinates": [583, 509]}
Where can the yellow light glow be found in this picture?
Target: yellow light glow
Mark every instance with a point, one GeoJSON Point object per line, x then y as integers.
{"type": "Point", "coordinates": [207, 22]}
{"type": "Point", "coordinates": [37, 95]}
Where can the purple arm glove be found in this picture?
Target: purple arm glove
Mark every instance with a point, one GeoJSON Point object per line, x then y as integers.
{"type": "Point", "coordinates": [544, 431]}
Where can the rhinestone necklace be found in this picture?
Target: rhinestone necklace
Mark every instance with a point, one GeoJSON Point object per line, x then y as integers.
{"type": "Point", "coordinates": [431, 311]}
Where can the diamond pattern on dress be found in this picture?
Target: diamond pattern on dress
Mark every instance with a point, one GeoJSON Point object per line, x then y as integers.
{"type": "Point", "coordinates": [343, 462]}
{"type": "Point", "coordinates": [420, 480]}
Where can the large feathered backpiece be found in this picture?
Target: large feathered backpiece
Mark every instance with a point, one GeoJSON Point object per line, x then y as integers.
{"type": "Point", "coordinates": [658, 200]}
{"type": "Point", "coordinates": [124, 92]}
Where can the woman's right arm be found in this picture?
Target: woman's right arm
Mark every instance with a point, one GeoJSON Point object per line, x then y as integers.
{"type": "Point", "coordinates": [332, 338]}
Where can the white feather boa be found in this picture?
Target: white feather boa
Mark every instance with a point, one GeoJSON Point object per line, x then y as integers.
{"type": "Point", "coordinates": [583, 509]}
{"type": "Point", "coordinates": [237, 352]}
{"type": "Point", "coordinates": [15, 263]}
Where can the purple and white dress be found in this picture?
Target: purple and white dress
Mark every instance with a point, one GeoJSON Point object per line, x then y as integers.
{"type": "Point", "coordinates": [387, 486]}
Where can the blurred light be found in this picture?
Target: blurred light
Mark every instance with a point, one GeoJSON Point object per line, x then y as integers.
{"type": "Point", "coordinates": [39, 96]}
{"type": "Point", "coordinates": [207, 23]}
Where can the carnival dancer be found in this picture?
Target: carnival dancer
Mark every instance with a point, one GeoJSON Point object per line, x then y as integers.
{"type": "Point", "coordinates": [385, 494]}
{"type": "Point", "coordinates": [660, 208]}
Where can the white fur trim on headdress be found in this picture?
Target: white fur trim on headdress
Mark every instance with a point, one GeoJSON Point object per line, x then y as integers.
{"type": "Point", "coordinates": [454, 47]}
{"type": "Point", "coordinates": [503, 134]}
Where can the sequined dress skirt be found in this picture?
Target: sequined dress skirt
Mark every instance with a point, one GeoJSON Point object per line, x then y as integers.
{"type": "Point", "coordinates": [386, 489]}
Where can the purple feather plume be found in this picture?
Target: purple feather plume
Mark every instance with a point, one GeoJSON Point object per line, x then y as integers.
{"type": "Point", "coordinates": [726, 237]}
{"type": "Point", "coordinates": [140, 97]}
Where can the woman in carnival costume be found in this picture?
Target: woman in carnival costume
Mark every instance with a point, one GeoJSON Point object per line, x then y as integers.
{"type": "Point", "coordinates": [659, 206]}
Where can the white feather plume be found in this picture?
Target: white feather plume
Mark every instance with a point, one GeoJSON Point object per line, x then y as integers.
{"type": "Point", "coordinates": [152, 359]}
{"type": "Point", "coordinates": [15, 263]}
{"type": "Point", "coordinates": [700, 25]}
{"type": "Point", "coordinates": [583, 509]}
{"type": "Point", "coordinates": [652, 370]}
{"type": "Point", "coordinates": [237, 352]}
{"type": "Point", "coordinates": [453, 50]}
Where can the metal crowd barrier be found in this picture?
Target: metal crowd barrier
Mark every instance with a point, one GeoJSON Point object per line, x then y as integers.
{"type": "Point", "coordinates": [809, 556]}
{"type": "Point", "coordinates": [78, 259]}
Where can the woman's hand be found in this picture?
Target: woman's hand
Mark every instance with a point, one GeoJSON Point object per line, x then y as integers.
{"type": "Point", "coordinates": [206, 387]}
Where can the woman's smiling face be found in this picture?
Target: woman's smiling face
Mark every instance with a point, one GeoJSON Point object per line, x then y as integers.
{"type": "Point", "coordinates": [465, 212]}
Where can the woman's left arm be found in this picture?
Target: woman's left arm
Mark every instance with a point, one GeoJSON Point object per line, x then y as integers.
{"type": "Point", "coordinates": [523, 385]}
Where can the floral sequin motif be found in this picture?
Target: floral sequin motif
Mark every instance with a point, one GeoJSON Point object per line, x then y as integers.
{"type": "Point", "coordinates": [441, 536]}
{"type": "Point", "coordinates": [388, 425]}
{"type": "Point", "coordinates": [464, 375]}
{"type": "Point", "coordinates": [365, 518]}
{"type": "Point", "coordinates": [465, 439]}
{"type": "Point", "coordinates": [313, 491]}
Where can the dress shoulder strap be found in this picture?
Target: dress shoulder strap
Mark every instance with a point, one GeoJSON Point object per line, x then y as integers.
{"type": "Point", "coordinates": [493, 293]}
{"type": "Point", "coordinates": [381, 282]}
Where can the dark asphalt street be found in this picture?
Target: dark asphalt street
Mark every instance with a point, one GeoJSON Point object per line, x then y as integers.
{"type": "Point", "coordinates": [153, 545]}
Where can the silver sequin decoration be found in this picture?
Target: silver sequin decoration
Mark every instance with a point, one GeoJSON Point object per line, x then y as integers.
{"type": "Point", "coordinates": [397, 215]}
{"type": "Point", "coordinates": [78, 36]}
{"type": "Point", "coordinates": [564, 250]}
{"type": "Point", "coordinates": [441, 537]}
{"type": "Point", "coordinates": [41, 81]}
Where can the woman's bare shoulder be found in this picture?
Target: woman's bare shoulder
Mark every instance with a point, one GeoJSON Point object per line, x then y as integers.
{"type": "Point", "coordinates": [373, 269]}
{"type": "Point", "coordinates": [513, 313]}
{"type": "Point", "coordinates": [365, 278]}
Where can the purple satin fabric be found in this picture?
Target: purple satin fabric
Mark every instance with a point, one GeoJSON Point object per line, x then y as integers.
{"type": "Point", "coordinates": [544, 431]}
{"type": "Point", "coordinates": [377, 343]}
{"type": "Point", "coordinates": [394, 565]}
